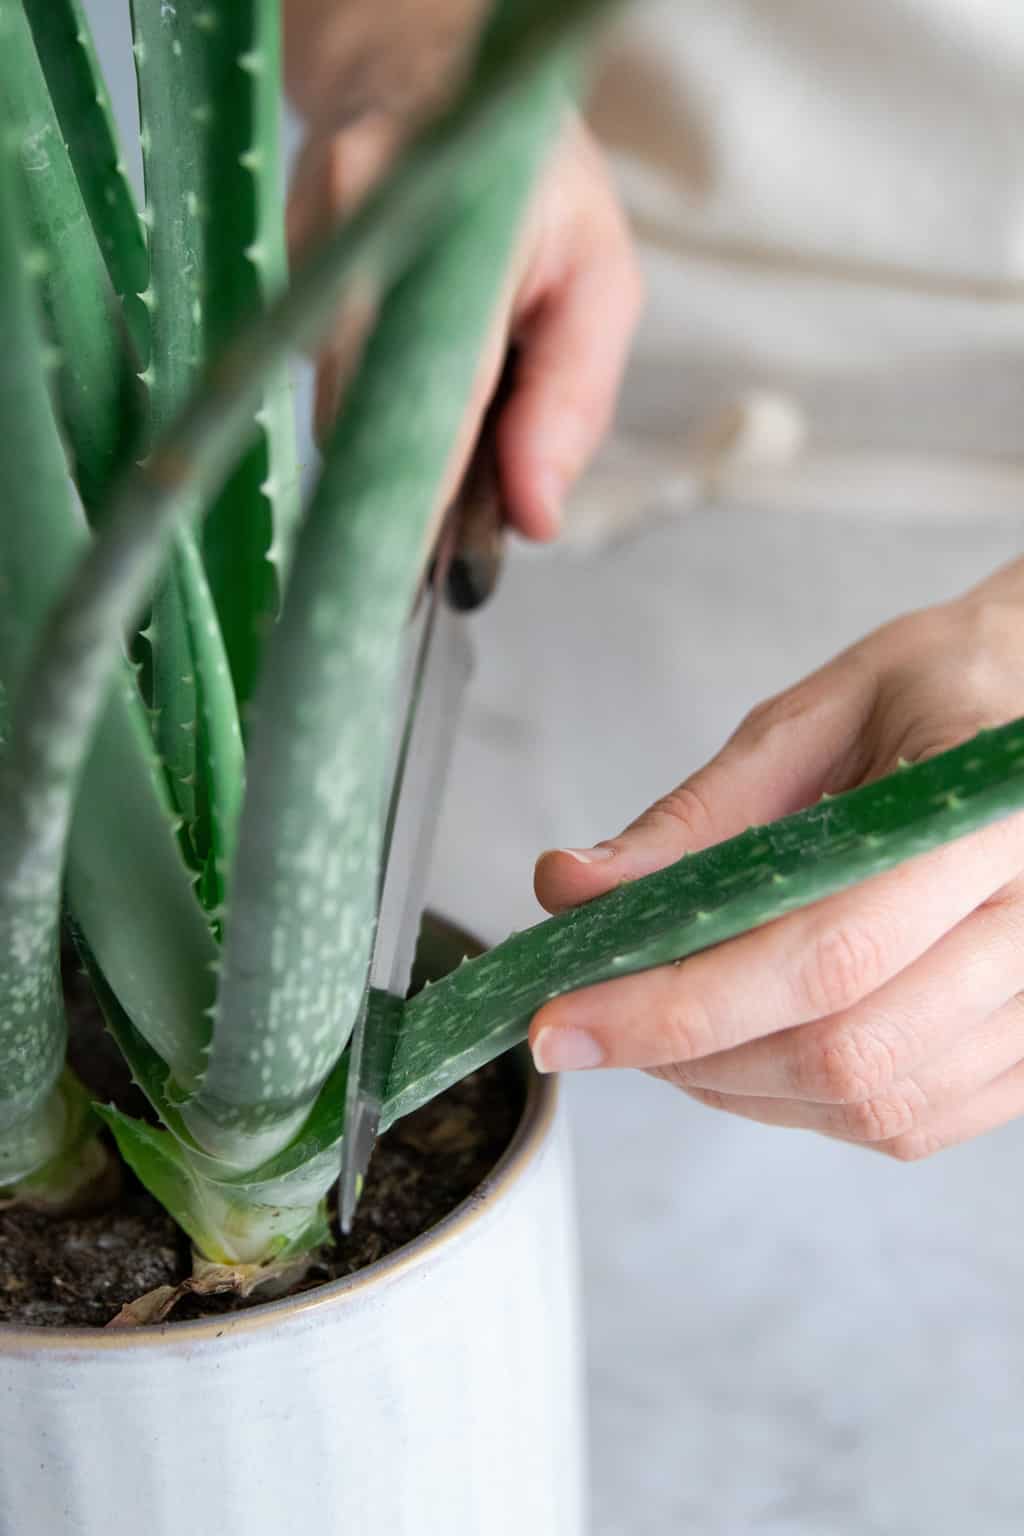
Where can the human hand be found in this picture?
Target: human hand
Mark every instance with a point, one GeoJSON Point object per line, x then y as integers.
{"type": "Point", "coordinates": [570, 304]}
{"type": "Point", "coordinates": [890, 1014]}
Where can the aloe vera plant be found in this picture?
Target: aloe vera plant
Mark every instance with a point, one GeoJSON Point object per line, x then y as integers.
{"type": "Point", "coordinates": [196, 672]}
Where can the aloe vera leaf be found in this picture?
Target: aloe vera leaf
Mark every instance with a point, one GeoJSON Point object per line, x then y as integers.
{"type": "Point", "coordinates": [275, 1211]}
{"type": "Point", "coordinates": [174, 699]}
{"type": "Point", "coordinates": [310, 1162]}
{"type": "Point", "coordinates": [78, 650]}
{"type": "Point", "coordinates": [221, 783]}
{"type": "Point", "coordinates": [32, 1027]}
{"type": "Point", "coordinates": [304, 1170]}
{"type": "Point", "coordinates": [181, 54]}
{"type": "Point", "coordinates": [305, 890]}
{"type": "Point", "coordinates": [209, 78]}
{"type": "Point", "coordinates": [197, 726]}
{"type": "Point", "coordinates": [248, 533]}
{"type": "Point", "coordinates": [42, 1122]}
{"type": "Point", "coordinates": [119, 814]}
{"type": "Point", "coordinates": [486, 1006]}
{"type": "Point", "coordinates": [79, 94]}
{"type": "Point", "coordinates": [120, 846]}
{"type": "Point", "coordinates": [155, 1159]}
{"type": "Point", "coordinates": [96, 384]}
{"type": "Point", "coordinates": [42, 536]}
{"type": "Point", "coordinates": [224, 1231]}
{"type": "Point", "coordinates": [47, 1161]}
{"type": "Point", "coordinates": [130, 894]}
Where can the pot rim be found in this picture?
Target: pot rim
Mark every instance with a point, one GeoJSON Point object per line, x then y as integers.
{"type": "Point", "coordinates": [530, 1136]}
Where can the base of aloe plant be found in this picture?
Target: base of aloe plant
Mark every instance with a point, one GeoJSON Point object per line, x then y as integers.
{"type": "Point", "coordinates": [92, 1183]}
{"type": "Point", "coordinates": [131, 1248]}
{"type": "Point", "coordinates": [82, 1174]}
{"type": "Point", "coordinates": [423, 1168]}
{"type": "Point", "coordinates": [268, 1282]}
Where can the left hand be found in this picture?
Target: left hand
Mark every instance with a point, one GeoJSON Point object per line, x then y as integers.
{"type": "Point", "coordinates": [890, 1014]}
{"type": "Point", "coordinates": [570, 304]}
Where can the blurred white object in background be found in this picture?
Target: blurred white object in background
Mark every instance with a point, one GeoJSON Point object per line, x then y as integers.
{"type": "Point", "coordinates": [830, 202]}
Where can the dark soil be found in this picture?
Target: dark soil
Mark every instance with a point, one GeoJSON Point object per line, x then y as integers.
{"type": "Point", "coordinates": [80, 1270]}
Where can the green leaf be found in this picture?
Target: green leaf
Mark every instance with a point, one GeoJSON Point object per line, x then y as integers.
{"type": "Point", "coordinates": [209, 80]}
{"type": "Point", "coordinates": [96, 383]}
{"type": "Point", "coordinates": [119, 814]}
{"type": "Point", "coordinates": [79, 94]}
{"type": "Point", "coordinates": [248, 534]}
{"type": "Point", "coordinates": [305, 892]}
{"type": "Point", "coordinates": [224, 1229]}
{"type": "Point", "coordinates": [486, 1006]}
{"type": "Point", "coordinates": [46, 1159]}
{"type": "Point", "coordinates": [34, 556]}
{"type": "Point", "coordinates": [220, 780]}
{"type": "Point", "coordinates": [158, 1162]}
{"type": "Point", "coordinates": [273, 1211]}
{"type": "Point", "coordinates": [196, 720]}
{"type": "Point", "coordinates": [186, 61]}
{"type": "Point", "coordinates": [130, 895]}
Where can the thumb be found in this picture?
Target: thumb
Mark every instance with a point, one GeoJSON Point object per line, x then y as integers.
{"type": "Point", "coordinates": [782, 758]}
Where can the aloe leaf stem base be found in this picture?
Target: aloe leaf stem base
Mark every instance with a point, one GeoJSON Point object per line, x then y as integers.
{"type": "Point", "coordinates": [50, 1160]}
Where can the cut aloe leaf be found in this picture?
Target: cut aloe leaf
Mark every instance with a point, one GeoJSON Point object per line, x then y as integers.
{"type": "Point", "coordinates": [706, 898]}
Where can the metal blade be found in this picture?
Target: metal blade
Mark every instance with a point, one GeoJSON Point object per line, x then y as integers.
{"type": "Point", "coordinates": [441, 670]}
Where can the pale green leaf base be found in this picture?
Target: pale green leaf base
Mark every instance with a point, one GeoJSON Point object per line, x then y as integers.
{"type": "Point", "coordinates": [52, 1159]}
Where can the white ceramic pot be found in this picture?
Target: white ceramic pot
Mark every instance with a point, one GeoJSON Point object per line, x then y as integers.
{"type": "Point", "coordinates": [436, 1393]}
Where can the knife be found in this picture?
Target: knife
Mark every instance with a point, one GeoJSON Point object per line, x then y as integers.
{"type": "Point", "coordinates": [462, 577]}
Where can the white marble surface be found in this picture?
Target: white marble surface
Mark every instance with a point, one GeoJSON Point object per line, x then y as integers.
{"type": "Point", "coordinates": [786, 1335]}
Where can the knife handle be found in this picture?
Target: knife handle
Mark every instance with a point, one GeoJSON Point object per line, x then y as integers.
{"type": "Point", "coordinates": [479, 548]}
{"type": "Point", "coordinates": [479, 540]}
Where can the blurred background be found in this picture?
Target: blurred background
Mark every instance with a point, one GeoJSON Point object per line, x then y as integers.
{"type": "Point", "coordinates": [821, 429]}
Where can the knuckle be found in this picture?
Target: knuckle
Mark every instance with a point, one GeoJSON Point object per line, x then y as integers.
{"type": "Point", "coordinates": [687, 808]}
{"type": "Point", "coordinates": [891, 1118]}
{"type": "Point", "coordinates": [775, 714]}
{"type": "Point", "coordinates": [685, 1033]}
{"type": "Point", "coordinates": [915, 1146]}
{"type": "Point", "coordinates": [928, 740]}
{"type": "Point", "coordinates": [847, 1066]}
{"type": "Point", "coordinates": [843, 964]}
{"type": "Point", "coordinates": [761, 721]}
{"type": "Point", "coordinates": [838, 1066]}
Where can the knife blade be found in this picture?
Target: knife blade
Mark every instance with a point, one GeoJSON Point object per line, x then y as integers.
{"type": "Point", "coordinates": [462, 577]}
{"type": "Point", "coordinates": [442, 669]}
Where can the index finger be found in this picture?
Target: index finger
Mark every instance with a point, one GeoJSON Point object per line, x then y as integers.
{"type": "Point", "coordinates": [806, 966]}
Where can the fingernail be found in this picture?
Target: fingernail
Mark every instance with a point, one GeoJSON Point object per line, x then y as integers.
{"type": "Point", "coordinates": [588, 855]}
{"type": "Point", "coordinates": [566, 1050]}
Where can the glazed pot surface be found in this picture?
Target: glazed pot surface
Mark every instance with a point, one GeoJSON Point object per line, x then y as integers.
{"type": "Point", "coordinates": [436, 1392]}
